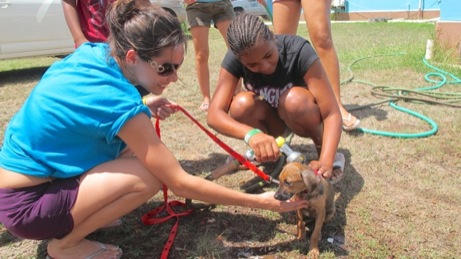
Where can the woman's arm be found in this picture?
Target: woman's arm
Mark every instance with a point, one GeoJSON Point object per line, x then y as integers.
{"type": "Point", "coordinates": [140, 136]}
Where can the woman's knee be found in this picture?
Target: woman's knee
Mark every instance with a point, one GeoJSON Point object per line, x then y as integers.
{"type": "Point", "coordinates": [124, 175]}
{"type": "Point", "coordinates": [322, 40]}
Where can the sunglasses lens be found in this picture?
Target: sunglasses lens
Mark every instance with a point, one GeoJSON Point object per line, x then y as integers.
{"type": "Point", "coordinates": [167, 69]}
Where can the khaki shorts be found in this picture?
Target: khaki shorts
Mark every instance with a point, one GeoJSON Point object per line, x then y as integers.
{"type": "Point", "coordinates": [202, 14]}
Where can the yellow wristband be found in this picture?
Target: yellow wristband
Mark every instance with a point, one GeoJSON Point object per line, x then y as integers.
{"type": "Point", "coordinates": [144, 101]}
{"type": "Point", "coordinates": [250, 134]}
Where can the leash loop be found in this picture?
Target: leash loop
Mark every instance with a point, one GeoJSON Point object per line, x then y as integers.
{"type": "Point", "coordinates": [152, 218]}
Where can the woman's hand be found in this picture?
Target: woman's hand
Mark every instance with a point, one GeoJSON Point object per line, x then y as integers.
{"type": "Point", "coordinates": [160, 107]}
{"type": "Point", "coordinates": [282, 206]}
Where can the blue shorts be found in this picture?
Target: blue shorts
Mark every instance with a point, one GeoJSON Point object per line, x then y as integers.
{"type": "Point", "coordinates": [39, 212]}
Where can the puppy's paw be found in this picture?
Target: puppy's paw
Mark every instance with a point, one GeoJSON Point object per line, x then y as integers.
{"type": "Point", "coordinates": [301, 237]}
{"type": "Point", "coordinates": [313, 254]}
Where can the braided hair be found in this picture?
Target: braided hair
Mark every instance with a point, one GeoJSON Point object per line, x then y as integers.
{"type": "Point", "coordinates": [142, 26]}
{"type": "Point", "coordinates": [245, 31]}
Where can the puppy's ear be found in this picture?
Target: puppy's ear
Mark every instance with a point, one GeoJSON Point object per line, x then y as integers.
{"type": "Point", "coordinates": [309, 176]}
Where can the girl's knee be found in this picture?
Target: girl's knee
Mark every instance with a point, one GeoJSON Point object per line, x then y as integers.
{"type": "Point", "coordinates": [297, 101]}
{"type": "Point", "coordinates": [242, 106]}
{"type": "Point", "coordinates": [299, 110]}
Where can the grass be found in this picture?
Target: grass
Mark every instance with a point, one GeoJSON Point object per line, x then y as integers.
{"type": "Point", "coordinates": [399, 198]}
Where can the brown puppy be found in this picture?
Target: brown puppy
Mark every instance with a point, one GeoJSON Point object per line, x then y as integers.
{"type": "Point", "coordinates": [301, 181]}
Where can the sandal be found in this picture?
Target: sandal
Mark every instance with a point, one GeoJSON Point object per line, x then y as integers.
{"type": "Point", "coordinates": [350, 122]}
{"type": "Point", "coordinates": [204, 107]}
{"type": "Point", "coordinates": [102, 249]}
{"type": "Point", "coordinates": [339, 163]}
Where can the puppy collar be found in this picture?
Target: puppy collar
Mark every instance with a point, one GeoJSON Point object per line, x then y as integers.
{"type": "Point", "coordinates": [317, 173]}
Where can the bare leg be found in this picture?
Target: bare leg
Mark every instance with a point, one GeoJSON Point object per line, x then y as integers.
{"type": "Point", "coordinates": [317, 15]}
{"type": "Point", "coordinates": [286, 16]}
{"type": "Point", "coordinates": [130, 185]}
{"type": "Point", "coordinates": [202, 52]}
{"type": "Point", "coordinates": [222, 27]}
{"type": "Point", "coordinates": [298, 109]}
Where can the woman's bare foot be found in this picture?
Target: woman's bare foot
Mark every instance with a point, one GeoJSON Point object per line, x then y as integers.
{"type": "Point", "coordinates": [83, 249]}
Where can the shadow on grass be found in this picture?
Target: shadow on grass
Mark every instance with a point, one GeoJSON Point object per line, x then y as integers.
{"type": "Point", "coordinates": [365, 111]}
{"type": "Point", "coordinates": [333, 232]}
{"type": "Point", "coordinates": [6, 238]}
{"type": "Point", "coordinates": [22, 76]}
{"type": "Point", "coordinates": [351, 185]}
{"type": "Point", "coordinates": [225, 231]}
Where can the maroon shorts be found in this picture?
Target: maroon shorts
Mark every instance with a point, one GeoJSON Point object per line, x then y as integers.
{"type": "Point", "coordinates": [39, 212]}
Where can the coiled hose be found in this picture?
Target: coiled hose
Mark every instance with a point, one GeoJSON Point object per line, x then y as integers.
{"type": "Point", "coordinates": [421, 95]}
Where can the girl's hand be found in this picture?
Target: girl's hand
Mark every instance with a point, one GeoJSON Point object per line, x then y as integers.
{"type": "Point", "coordinates": [322, 169]}
{"type": "Point", "coordinates": [264, 147]}
{"type": "Point", "coordinates": [160, 107]}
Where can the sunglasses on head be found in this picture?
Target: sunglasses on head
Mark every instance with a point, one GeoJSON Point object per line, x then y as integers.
{"type": "Point", "coordinates": [164, 69]}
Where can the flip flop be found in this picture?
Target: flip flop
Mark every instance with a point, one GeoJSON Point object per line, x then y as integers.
{"type": "Point", "coordinates": [102, 248]}
{"type": "Point", "coordinates": [204, 107]}
{"type": "Point", "coordinates": [348, 120]}
{"type": "Point", "coordinates": [339, 162]}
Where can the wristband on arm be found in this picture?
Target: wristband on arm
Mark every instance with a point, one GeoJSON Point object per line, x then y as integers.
{"type": "Point", "coordinates": [250, 134]}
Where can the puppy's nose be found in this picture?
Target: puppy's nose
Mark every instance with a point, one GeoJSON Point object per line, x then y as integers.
{"type": "Point", "coordinates": [279, 196]}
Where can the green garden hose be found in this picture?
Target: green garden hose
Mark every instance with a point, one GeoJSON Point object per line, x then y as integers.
{"type": "Point", "coordinates": [420, 95]}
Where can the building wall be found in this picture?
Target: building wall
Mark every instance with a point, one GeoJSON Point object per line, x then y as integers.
{"type": "Point", "coordinates": [391, 5]}
{"type": "Point", "coordinates": [448, 28]}
{"type": "Point", "coordinates": [388, 9]}
{"type": "Point", "coordinates": [451, 10]}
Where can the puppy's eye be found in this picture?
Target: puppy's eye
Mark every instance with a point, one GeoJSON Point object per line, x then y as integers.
{"type": "Point", "coordinates": [287, 183]}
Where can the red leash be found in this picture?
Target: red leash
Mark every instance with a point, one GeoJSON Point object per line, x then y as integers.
{"type": "Point", "coordinates": [151, 217]}
{"type": "Point", "coordinates": [242, 160]}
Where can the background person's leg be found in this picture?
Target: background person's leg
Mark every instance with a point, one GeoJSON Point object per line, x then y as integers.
{"type": "Point", "coordinates": [202, 52]}
{"type": "Point", "coordinates": [317, 16]}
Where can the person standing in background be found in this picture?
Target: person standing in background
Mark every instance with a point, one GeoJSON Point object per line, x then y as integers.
{"type": "Point", "coordinates": [86, 20]}
{"type": "Point", "coordinates": [286, 15]}
{"type": "Point", "coordinates": [200, 15]}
